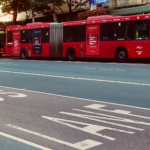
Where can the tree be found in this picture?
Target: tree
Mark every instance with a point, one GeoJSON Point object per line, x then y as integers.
{"type": "Point", "coordinates": [14, 6]}
{"type": "Point", "coordinates": [86, 14]}
{"type": "Point", "coordinates": [76, 6]}
{"type": "Point", "coordinates": [73, 5]}
{"type": "Point", "coordinates": [43, 7]}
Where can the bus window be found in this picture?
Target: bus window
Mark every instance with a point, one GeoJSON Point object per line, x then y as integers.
{"type": "Point", "coordinates": [106, 33]}
{"type": "Point", "coordinates": [45, 33]}
{"type": "Point", "coordinates": [2, 38]}
{"type": "Point", "coordinates": [25, 36]}
{"type": "Point", "coordinates": [142, 30]}
{"type": "Point", "coordinates": [74, 33]}
{"type": "Point", "coordinates": [9, 36]}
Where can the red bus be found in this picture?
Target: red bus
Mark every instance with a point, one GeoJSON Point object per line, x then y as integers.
{"type": "Point", "coordinates": [2, 41]}
{"type": "Point", "coordinates": [119, 37]}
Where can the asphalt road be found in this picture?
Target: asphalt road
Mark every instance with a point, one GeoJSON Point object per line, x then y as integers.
{"type": "Point", "coordinates": [64, 105]}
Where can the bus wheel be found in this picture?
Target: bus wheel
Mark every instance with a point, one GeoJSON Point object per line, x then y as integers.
{"type": "Point", "coordinates": [121, 55]}
{"type": "Point", "coordinates": [0, 55]}
{"type": "Point", "coordinates": [23, 53]}
{"type": "Point", "coordinates": [71, 54]}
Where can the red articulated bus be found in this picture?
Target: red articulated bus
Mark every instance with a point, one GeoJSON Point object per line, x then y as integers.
{"type": "Point", "coordinates": [2, 41]}
{"type": "Point", "coordinates": [119, 37]}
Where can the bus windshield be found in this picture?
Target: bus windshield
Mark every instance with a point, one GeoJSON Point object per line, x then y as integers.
{"type": "Point", "coordinates": [2, 38]}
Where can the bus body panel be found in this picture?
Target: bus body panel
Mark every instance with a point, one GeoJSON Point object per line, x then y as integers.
{"type": "Point", "coordinates": [16, 43]}
{"type": "Point", "coordinates": [92, 40]}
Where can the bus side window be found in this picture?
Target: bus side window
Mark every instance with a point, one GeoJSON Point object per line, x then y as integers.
{"type": "Point", "coordinates": [142, 30]}
{"type": "Point", "coordinates": [74, 33]}
{"type": "Point", "coordinates": [106, 32]}
{"type": "Point", "coordinates": [45, 33]}
{"type": "Point", "coordinates": [9, 36]}
{"type": "Point", "coordinates": [25, 36]}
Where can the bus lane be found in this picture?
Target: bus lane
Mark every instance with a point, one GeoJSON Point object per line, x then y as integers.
{"type": "Point", "coordinates": [62, 122]}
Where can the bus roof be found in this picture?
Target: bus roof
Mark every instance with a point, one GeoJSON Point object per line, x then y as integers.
{"type": "Point", "coordinates": [29, 26]}
{"type": "Point", "coordinates": [107, 18]}
{"type": "Point", "coordinates": [90, 20]}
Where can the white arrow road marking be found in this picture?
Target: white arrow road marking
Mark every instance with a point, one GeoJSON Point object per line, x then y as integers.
{"type": "Point", "coordinates": [83, 145]}
{"type": "Point", "coordinates": [89, 128]}
{"type": "Point", "coordinates": [24, 141]}
{"type": "Point", "coordinates": [96, 118]}
{"type": "Point", "coordinates": [13, 94]}
{"type": "Point", "coordinates": [109, 117]}
{"type": "Point", "coordinates": [117, 111]}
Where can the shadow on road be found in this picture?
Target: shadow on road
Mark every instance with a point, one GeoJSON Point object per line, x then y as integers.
{"type": "Point", "coordinates": [101, 60]}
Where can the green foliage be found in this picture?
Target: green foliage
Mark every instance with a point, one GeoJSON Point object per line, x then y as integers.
{"type": "Point", "coordinates": [42, 6]}
{"type": "Point", "coordinates": [14, 6]}
{"type": "Point", "coordinates": [86, 14]}
{"type": "Point", "coordinates": [9, 5]}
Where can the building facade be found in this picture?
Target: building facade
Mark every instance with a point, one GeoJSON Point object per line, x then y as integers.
{"type": "Point", "coordinates": [127, 7]}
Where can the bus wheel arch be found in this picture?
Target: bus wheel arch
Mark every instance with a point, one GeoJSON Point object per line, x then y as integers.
{"type": "Point", "coordinates": [71, 54]}
{"type": "Point", "coordinates": [121, 54]}
{"type": "Point", "coordinates": [23, 53]}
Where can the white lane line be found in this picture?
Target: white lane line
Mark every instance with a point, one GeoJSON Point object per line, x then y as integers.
{"type": "Point", "coordinates": [75, 78]}
{"type": "Point", "coordinates": [24, 141]}
{"type": "Point", "coordinates": [104, 69]}
{"type": "Point", "coordinates": [83, 145]}
{"type": "Point", "coordinates": [98, 107]}
{"type": "Point", "coordinates": [77, 98]}
{"type": "Point", "coordinates": [8, 64]}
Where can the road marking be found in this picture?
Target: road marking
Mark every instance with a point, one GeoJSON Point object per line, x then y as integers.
{"type": "Point", "coordinates": [24, 141]}
{"type": "Point", "coordinates": [74, 78]}
{"type": "Point", "coordinates": [104, 69]}
{"type": "Point", "coordinates": [90, 128]}
{"type": "Point", "coordinates": [117, 111]}
{"type": "Point", "coordinates": [83, 145]}
{"type": "Point", "coordinates": [8, 64]}
{"type": "Point", "coordinates": [98, 119]}
{"type": "Point", "coordinates": [109, 117]}
{"type": "Point", "coordinates": [1, 99]}
{"type": "Point", "coordinates": [77, 98]}
{"type": "Point", "coordinates": [13, 94]}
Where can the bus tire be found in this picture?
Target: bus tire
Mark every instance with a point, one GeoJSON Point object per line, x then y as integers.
{"type": "Point", "coordinates": [0, 55]}
{"type": "Point", "coordinates": [23, 54]}
{"type": "Point", "coordinates": [71, 54]}
{"type": "Point", "coordinates": [121, 55]}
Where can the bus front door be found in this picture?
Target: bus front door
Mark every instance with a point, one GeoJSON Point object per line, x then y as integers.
{"type": "Point", "coordinates": [92, 40]}
{"type": "Point", "coordinates": [16, 43]}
